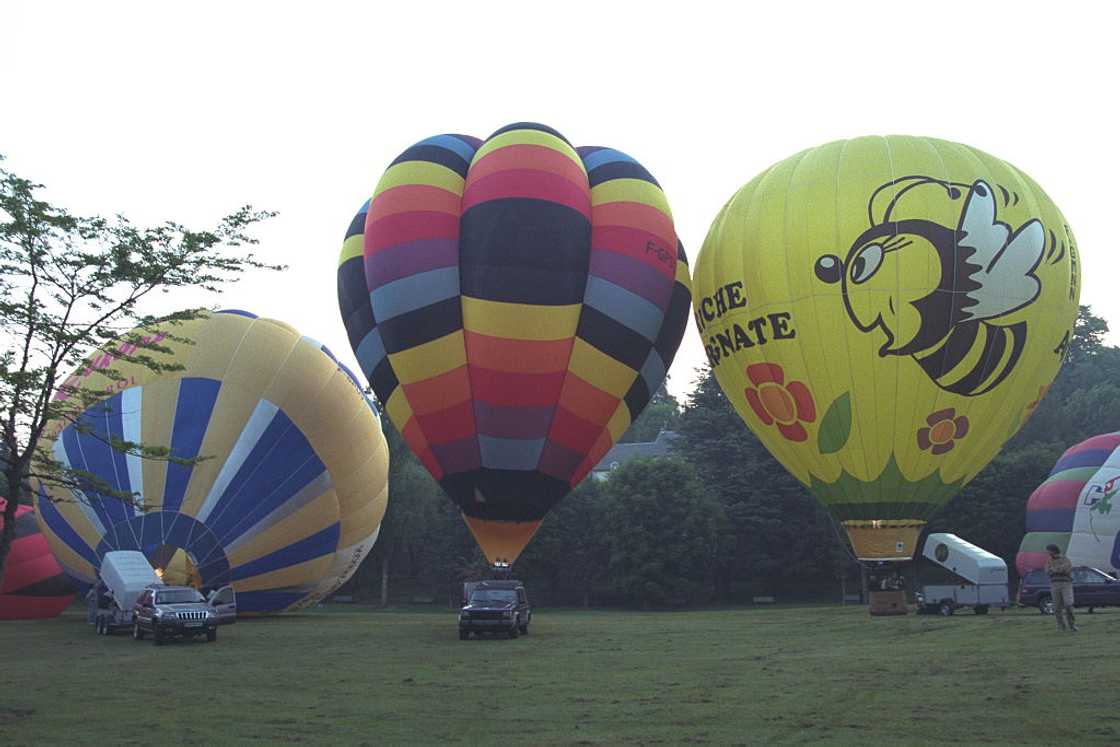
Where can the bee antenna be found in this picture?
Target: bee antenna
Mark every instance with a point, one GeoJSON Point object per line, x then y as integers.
{"type": "Point", "coordinates": [951, 188]}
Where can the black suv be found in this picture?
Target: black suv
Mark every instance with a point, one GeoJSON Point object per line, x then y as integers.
{"type": "Point", "coordinates": [494, 607]}
{"type": "Point", "coordinates": [1091, 588]}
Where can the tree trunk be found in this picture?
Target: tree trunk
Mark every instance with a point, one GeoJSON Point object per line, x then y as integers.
{"type": "Point", "coordinates": [8, 534]}
{"type": "Point", "coordinates": [385, 580]}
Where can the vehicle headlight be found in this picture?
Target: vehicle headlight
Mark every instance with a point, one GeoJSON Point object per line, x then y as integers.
{"type": "Point", "coordinates": [464, 616]}
{"type": "Point", "coordinates": [507, 613]}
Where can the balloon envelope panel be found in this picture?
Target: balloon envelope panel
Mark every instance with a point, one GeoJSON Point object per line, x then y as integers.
{"type": "Point", "coordinates": [289, 495]}
{"type": "Point", "coordinates": [1074, 509]}
{"type": "Point", "coordinates": [515, 303]}
{"type": "Point", "coordinates": [34, 584]}
{"type": "Point", "coordinates": [885, 313]}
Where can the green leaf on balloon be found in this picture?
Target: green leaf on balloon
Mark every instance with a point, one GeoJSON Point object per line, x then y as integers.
{"type": "Point", "coordinates": [852, 498]}
{"type": "Point", "coordinates": [836, 425]}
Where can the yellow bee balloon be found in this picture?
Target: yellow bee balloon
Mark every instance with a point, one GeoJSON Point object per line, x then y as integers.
{"type": "Point", "coordinates": [885, 313]}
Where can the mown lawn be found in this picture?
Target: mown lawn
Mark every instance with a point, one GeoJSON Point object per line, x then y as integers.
{"type": "Point", "coordinates": [786, 675]}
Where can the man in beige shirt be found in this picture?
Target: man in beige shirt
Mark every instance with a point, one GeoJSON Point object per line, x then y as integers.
{"type": "Point", "coordinates": [1060, 570]}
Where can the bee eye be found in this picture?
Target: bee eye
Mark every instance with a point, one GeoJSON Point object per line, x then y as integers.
{"type": "Point", "coordinates": [866, 262]}
{"type": "Point", "coordinates": [829, 269]}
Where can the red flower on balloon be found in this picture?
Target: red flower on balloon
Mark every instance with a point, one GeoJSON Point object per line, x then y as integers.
{"type": "Point", "coordinates": [945, 427]}
{"type": "Point", "coordinates": [774, 401]}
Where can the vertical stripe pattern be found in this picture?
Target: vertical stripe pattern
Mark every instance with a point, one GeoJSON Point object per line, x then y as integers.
{"type": "Point", "coordinates": [514, 303]}
{"type": "Point", "coordinates": [277, 479]}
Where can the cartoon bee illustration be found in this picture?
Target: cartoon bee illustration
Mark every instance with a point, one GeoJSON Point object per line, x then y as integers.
{"type": "Point", "coordinates": [937, 292]}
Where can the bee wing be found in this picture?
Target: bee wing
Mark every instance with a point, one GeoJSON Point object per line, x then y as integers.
{"type": "Point", "coordinates": [1006, 261]}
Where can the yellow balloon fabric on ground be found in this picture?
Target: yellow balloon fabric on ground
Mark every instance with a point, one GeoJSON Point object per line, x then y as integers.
{"type": "Point", "coordinates": [292, 482]}
{"type": "Point", "coordinates": [885, 313]}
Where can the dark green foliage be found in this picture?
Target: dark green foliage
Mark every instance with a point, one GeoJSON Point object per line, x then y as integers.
{"type": "Point", "coordinates": [725, 522]}
{"type": "Point", "coordinates": [1084, 399]}
{"type": "Point", "coordinates": [423, 541]}
{"type": "Point", "coordinates": [777, 535]}
{"type": "Point", "coordinates": [661, 414]}
{"type": "Point", "coordinates": [990, 511]}
{"type": "Point", "coordinates": [663, 533]}
{"type": "Point", "coordinates": [570, 553]}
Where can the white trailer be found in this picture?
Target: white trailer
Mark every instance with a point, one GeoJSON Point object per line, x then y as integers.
{"type": "Point", "coordinates": [960, 574]}
{"type": "Point", "coordinates": [124, 574]}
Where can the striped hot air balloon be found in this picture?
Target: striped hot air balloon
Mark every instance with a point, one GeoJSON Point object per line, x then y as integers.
{"type": "Point", "coordinates": [34, 584]}
{"type": "Point", "coordinates": [289, 495]}
{"type": "Point", "coordinates": [515, 303]}
{"type": "Point", "coordinates": [1075, 509]}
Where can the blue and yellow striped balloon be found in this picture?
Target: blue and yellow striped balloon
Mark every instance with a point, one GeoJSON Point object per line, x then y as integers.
{"type": "Point", "coordinates": [293, 483]}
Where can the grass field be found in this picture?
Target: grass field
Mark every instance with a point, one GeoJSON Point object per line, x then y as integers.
{"type": "Point", "coordinates": [352, 675]}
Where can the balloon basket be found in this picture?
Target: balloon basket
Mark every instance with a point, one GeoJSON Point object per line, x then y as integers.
{"type": "Point", "coordinates": [887, 603]}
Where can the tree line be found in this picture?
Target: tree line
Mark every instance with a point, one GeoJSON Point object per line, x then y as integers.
{"type": "Point", "coordinates": [720, 521]}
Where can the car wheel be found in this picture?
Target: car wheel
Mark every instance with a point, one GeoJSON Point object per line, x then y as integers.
{"type": "Point", "coordinates": [464, 635]}
{"type": "Point", "coordinates": [211, 636]}
{"type": "Point", "coordinates": [1046, 605]}
{"type": "Point", "coordinates": [137, 633]}
{"type": "Point", "coordinates": [981, 609]}
{"type": "Point", "coordinates": [946, 608]}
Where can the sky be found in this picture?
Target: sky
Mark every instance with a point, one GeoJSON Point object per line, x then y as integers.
{"type": "Point", "coordinates": [185, 111]}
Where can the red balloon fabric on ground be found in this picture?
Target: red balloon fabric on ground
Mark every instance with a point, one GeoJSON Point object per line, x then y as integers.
{"type": "Point", "coordinates": [34, 585]}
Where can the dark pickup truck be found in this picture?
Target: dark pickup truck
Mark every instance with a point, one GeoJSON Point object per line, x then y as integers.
{"type": "Point", "coordinates": [494, 608]}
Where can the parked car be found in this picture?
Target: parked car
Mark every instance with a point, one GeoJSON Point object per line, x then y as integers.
{"type": "Point", "coordinates": [173, 611]}
{"type": "Point", "coordinates": [494, 608]}
{"type": "Point", "coordinates": [1091, 588]}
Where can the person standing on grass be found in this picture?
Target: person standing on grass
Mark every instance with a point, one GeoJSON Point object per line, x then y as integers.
{"type": "Point", "coordinates": [1060, 570]}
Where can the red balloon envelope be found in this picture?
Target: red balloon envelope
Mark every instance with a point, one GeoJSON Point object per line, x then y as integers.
{"type": "Point", "coordinates": [34, 585]}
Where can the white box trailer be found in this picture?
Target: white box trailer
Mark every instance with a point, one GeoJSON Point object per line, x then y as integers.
{"type": "Point", "coordinates": [960, 574]}
{"type": "Point", "coordinates": [124, 574]}
{"type": "Point", "coordinates": [127, 573]}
